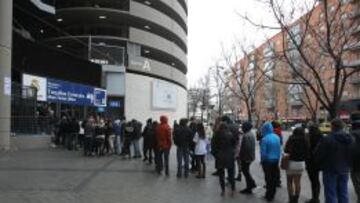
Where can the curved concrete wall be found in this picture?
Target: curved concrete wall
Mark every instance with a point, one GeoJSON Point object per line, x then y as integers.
{"type": "Point", "coordinates": [146, 12]}
{"type": "Point", "coordinates": [148, 39]}
{"type": "Point", "coordinates": [157, 69]}
{"type": "Point", "coordinates": [177, 7]}
{"type": "Point", "coordinates": [138, 100]}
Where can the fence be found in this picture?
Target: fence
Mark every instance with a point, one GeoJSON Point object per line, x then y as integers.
{"type": "Point", "coordinates": [24, 119]}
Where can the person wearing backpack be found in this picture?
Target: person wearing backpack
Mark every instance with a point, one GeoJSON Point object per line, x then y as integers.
{"type": "Point", "coordinates": [296, 149]}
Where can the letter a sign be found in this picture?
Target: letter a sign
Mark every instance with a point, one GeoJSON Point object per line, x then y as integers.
{"type": "Point", "coordinates": [146, 65]}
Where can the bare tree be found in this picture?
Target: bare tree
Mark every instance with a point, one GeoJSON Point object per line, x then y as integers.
{"type": "Point", "coordinates": [199, 96]}
{"type": "Point", "coordinates": [245, 78]}
{"type": "Point", "coordinates": [321, 39]}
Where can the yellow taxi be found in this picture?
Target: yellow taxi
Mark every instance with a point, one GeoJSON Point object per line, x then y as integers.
{"type": "Point", "coordinates": [325, 128]}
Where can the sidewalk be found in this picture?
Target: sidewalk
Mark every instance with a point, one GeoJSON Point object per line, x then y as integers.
{"type": "Point", "coordinates": [56, 175]}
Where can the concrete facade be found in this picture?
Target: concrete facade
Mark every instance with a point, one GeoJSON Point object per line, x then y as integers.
{"type": "Point", "coordinates": [138, 100]}
{"type": "Point", "coordinates": [153, 35]}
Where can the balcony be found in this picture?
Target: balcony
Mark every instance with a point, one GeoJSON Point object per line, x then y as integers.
{"type": "Point", "coordinates": [355, 79]}
{"type": "Point", "coordinates": [352, 63]}
{"type": "Point", "coordinates": [353, 47]}
{"type": "Point", "coordinates": [355, 14]}
{"type": "Point", "coordinates": [270, 103]}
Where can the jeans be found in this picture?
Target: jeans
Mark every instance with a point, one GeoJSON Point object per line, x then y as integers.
{"type": "Point", "coordinates": [250, 183]}
{"type": "Point", "coordinates": [271, 178]}
{"type": "Point", "coordinates": [163, 161]}
{"type": "Point", "coordinates": [148, 152]}
{"type": "Point", "coordinates": [231, 177]}
{"type": "Point", "coordinates": [182, 155]}
{"type": "Point", "coordinates": [200, 162]}
{"type": "Point", "coordinates": [355, 176]}
{"type": "Point", "coordinates": [118, 144]}
{"type": "Point", "coordinates": [136, 145]}
{"type": "Point", "coordinates": [315, 183]}
{"type": "Point", "coordinates": [88, 146]}
{"type": "Point", "coordinates": [336, 187]}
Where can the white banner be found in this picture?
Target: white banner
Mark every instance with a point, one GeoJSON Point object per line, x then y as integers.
{"type": "Point", "coordinates": [164, 95]}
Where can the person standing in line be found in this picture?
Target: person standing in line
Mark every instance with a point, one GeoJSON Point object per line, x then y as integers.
{"type": "Point", "coordinates": [355, 173]}
{"type": "Point", "coordinates": [237, 156]}
{"type": "Point", "coordinates": [147, 136]}
{"type": "Point", "coordinates": [192, 126]}
{"type": "Point", "coordinates": [163, 137]}
{"type": "Point", "coordinates": [100, 137]}
{"type": "Point", "coordinates": [277, 130]}
{"type": "Point", "coordinates": [334, 156]}
{"type": "Point", "coordinates": [89, 133]}
{"type": "Point", "coordinates": [235, 131]}
{"type": "Point", "coordinates": [314, 138]}
{"type": "Point", "coordinates": [110, 137]}
{"type": "Point", "coordinates": [128, 131]}
{"type": "Point", "coordinates": [270, 150]}
{"type": "Point", "coordinates": [182, 139]}
{"type": "Point", "coordinates": [247, 156]}
{"type": "Point", "coordinates": [119, 133]}
{"type": "Point", "coordinates": [223, 147]}
{"type": "Point", "coordinates": [201, 142]}
{"type": "Point", "coordinates": [296, 149]}
{"type": "Point", "coordinates": [135, 138]}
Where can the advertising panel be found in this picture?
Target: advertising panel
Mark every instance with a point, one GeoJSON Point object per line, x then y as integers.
{"type": "Point", "coordinates": [99, 97]}
{"type": "Point", "coordinates": [59, 91]}
{"type": "Point", "coordinates": [69, 93]}
{"type": "Point", "coordinates": [39, 83]}
{"type": "Point", "coordinates": [164, 95]}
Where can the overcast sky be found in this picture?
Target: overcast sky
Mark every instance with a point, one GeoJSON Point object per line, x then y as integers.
{"type": "Point", "coordinates": [212, 23]}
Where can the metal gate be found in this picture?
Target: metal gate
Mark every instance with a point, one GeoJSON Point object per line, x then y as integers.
{"type": "Point", "coordinates": [24, 119]}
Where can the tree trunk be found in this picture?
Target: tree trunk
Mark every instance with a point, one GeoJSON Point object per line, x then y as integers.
{"type": "Point", "coordinates": [332, 112]}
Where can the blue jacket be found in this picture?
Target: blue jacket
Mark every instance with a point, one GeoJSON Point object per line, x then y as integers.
{"type": "Point", "coordinates": [270, 147]}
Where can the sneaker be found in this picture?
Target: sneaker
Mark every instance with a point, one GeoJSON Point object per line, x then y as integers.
{"type": "Point", "coordinates": [246, 191]}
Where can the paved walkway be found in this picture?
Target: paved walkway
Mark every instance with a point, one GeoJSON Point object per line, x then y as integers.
{"type": "Point", "coordinates": [56, 175]}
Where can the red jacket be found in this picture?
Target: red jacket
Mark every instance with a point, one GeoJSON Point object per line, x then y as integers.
{"type": "Point", "coordinates": [163, 134]}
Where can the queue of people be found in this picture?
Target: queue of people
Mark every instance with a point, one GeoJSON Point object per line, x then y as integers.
{"type": "Point", "coordinates": [336, 155]}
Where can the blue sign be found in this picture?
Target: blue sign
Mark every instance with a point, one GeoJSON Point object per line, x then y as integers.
{"type": "Point", "coordinates": [99, 97]}
{"type": "Point", "coordinates": [76, 94]}
{"type": "Point", "coordinates": [114, 104]}
{"type": "Point", "coordinates": [59, 91]}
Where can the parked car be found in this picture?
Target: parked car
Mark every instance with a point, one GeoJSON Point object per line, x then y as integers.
{"type": "Point", "coordinates": [325, 127]}
{"type": "Point", "coordinates": [297, 125]}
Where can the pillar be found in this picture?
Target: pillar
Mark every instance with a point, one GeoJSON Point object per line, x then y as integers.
{"type": "Point", "coordinates": [6, 11]}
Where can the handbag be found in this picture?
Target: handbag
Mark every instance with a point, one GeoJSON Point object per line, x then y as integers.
{"type": "Point", "coordinates": [284, 163]}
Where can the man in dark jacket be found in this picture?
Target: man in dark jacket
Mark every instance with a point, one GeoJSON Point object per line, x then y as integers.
{"type": "Point", "coordinates": [334, 158]}
{"type": "Point", "coordinates": [234, 129]}
{"type": "Point", "coordinates": [247, 156]}
{"type": "Point", "coordinates": [149, 136]}
{"type": "Point", "coordinates": [355, 173]}
{"type": "Point", "coordinates": [182, 140]}
{"type": "Point", "coordinates": [135, 137]}
{"type": "Point", "coordinates": [223, 147]}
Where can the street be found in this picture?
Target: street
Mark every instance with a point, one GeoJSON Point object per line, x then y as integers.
{"type": "Point", "coordinates": [56, 175]}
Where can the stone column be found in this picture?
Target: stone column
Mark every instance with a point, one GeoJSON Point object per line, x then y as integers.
{"type": "Point", "coordinates": [6, 13]}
